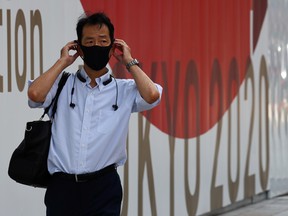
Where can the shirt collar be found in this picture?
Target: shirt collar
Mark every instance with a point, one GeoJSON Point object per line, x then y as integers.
{"type": "Point", "coordinates": [99, 80]}
{"type": "Point", "coordinates": [85, 76]}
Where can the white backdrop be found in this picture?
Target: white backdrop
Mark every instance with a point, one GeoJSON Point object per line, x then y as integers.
{"type": "Point", "coordinates": [58, 20]}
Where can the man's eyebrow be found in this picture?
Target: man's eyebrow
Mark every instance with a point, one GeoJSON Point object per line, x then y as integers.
{"type": "Point", "coordinates": [100, 36]}
{"type": "Point", "coordinates": [103, 36]}
{"type": "Point", "coordinates": [88, 38]}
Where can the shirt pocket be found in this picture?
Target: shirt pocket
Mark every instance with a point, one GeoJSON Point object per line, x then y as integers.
{"type": "Point", "coordinates": [108, 121]}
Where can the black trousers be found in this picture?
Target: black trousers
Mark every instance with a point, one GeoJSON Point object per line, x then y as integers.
{"type": "Point", "coordinates": [99, 196]}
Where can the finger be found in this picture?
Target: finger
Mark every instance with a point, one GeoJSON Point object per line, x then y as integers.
{"type": "Point", "coordinates": [72, 47]}
{"type": "Point", "coordinates": [117, 57]}
{"type": "Point", "coordinates": [120, 42]}
{"type": "Point", "coordinates": [76, 55]}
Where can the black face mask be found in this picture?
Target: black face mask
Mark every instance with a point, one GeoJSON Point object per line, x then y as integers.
{"type": "Point", "coordinates": [96, 57]}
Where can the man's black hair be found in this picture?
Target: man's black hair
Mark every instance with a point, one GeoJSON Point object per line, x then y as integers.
{"type": "Point", "coordinates": [99, 18]}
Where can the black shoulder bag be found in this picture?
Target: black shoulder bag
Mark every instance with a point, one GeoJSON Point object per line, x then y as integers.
{"type": "Point", "coordinates": [28, 163]}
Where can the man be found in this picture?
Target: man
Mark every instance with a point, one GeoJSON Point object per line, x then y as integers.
{"type": "Point", "coordinates": [91, 123]}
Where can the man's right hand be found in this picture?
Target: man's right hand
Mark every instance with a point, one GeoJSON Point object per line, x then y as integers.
{"type": "Point", "coordinates": [66, 57]}
{"type": "Point", "coordinates": [40, 87]}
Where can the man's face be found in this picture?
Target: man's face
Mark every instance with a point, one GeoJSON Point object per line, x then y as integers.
{"type": "Point", "coordinates": [95, 47]}
{"type": "Point", "coordinates": [95, 35]}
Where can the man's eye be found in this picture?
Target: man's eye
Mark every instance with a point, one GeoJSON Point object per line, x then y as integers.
{"type": "Point", "coordinates": [89, 42]}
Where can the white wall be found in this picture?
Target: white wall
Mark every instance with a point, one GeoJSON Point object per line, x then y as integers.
{"type": "Point", "coordinates": [58, 20]}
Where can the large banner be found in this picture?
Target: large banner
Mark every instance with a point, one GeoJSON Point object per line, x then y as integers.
{"type": "Point", "coordinates": [219, 135]}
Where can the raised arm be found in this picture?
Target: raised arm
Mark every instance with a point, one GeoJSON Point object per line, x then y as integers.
{"type": "Point", "coordinates": [40, 87]}
{"type": "Point", "coordinates": [145, 85]}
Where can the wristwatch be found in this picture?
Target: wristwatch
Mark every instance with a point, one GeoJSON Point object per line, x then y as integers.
{"type": "Point", "coordinates": [130, 64]}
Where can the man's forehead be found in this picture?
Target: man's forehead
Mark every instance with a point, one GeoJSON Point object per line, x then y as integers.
{"type": "Point", "coordinates": [101, 30]}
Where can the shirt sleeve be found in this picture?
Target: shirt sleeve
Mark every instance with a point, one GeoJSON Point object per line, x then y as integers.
{"type": "Point", "coordinates": [141, 105]}
{"type": "Point", "coordinates": [49, 97]}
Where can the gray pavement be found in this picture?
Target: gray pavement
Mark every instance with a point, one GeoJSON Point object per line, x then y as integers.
{"type": "Point", "coordinates": [277, 206]}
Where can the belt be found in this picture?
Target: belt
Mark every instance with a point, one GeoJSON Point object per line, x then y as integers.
{"type": "Point", "coordinates": [87, 176]}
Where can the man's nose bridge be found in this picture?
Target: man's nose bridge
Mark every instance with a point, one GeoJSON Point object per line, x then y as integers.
{"type": "Point", "coordinates": [97, 42]}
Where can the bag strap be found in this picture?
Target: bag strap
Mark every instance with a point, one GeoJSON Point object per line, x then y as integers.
{"type": "Point", "coordinates": [54, 101]}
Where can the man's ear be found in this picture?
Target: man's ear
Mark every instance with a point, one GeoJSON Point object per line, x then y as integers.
{"type": "Point", "coordinates": [111, 51]}
{"type": "Point", "coordinates": [112, 48]}
{"type": "Point", "coordinates": [79, 50]}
